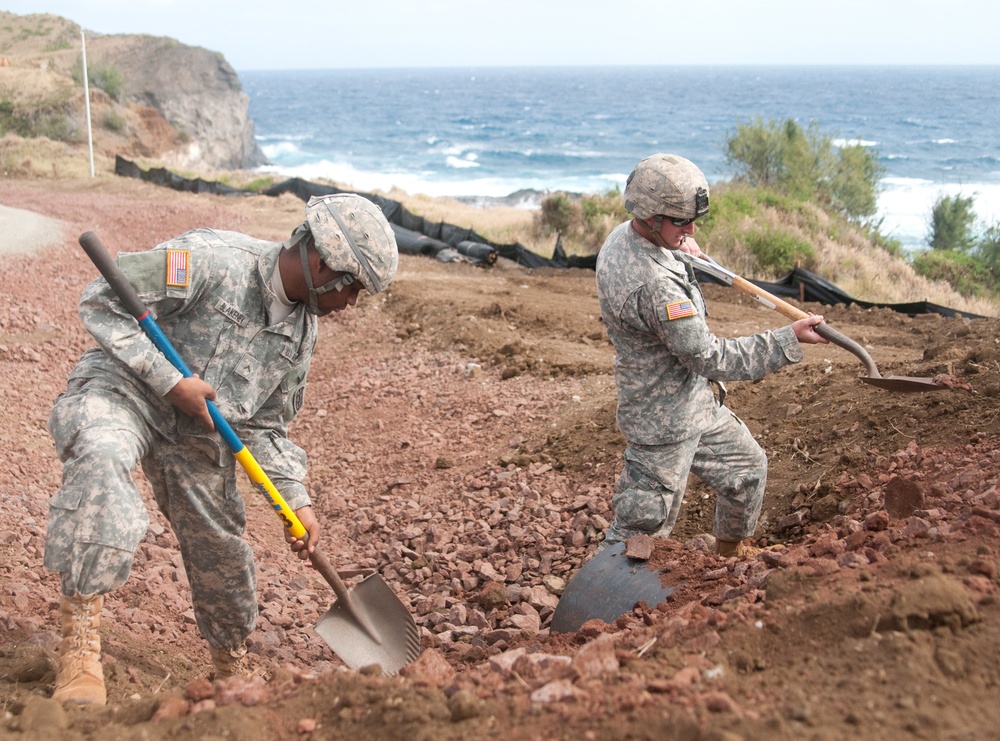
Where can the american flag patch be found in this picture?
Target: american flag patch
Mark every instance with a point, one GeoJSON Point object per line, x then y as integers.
{"type": "Point", "coordinates": [679, 310]}
{"type": "Point", "coordinates": [177, 267]}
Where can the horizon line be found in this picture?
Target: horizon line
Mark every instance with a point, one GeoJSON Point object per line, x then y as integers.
{"type": "Point", "coordinates": [721, 65]}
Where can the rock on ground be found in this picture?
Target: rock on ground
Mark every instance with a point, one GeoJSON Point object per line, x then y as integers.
{"type": "Point", "coordinates": [874, 614]}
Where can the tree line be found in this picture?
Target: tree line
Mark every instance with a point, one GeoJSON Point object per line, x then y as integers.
{"type": "Point", "coordinates": [804, 163]}
{"type": "Point", "coordinates": [781, 164]}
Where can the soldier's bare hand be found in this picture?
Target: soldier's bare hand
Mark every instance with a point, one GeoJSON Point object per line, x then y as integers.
{"type": "Point", "coordinates": [691, 247]}
{"type": "Point", "coordinates": [305, 545]}
{"type": "Point", "coordinates": [805, 332]}
{"type": "Point", "coordinates": [190, 395]}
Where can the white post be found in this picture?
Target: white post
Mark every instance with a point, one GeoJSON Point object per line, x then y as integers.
{"type": "Point", "coordinates": [86, 97]}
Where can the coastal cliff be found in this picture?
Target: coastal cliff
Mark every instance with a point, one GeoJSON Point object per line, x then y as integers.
{"type": "Point", "coordinates": [194, 89]}
{"type": "Point", "coordinates": [150, 96]}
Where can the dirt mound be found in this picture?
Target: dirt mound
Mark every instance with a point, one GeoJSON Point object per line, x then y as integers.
{"type": "Point", "coordinates": [460, 430]}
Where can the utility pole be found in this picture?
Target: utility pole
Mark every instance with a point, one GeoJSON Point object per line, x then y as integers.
{"type": "Point", "coordinates": [86, 97]}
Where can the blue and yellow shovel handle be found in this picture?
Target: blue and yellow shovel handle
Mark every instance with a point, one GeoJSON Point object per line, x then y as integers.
{"type": "Point", "coordinates": [133, 304]}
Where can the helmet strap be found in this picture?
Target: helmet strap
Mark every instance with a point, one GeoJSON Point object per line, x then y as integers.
{"type": "Point", "coordinates": [652, 234]}
{"type": "Point", "coordinates": [312, 306]}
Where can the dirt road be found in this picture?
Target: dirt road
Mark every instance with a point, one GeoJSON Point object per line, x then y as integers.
{"type": "Point", "coordinates": [461, 438]}
{"type": "Point", "coordinates": [27, 231]}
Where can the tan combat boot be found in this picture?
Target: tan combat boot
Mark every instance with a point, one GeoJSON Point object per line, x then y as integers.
{"type": "Point", "coordinates": [80, 677]}
{"type": "Point", "coordinates": [229, 662]}
{"type": "Point", "coordinates": [736, 548]}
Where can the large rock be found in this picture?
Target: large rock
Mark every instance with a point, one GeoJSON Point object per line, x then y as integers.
{"type": "Point", "coordinates": [194, 89]}
{"type": "Point", "coordinates": [182, 105]}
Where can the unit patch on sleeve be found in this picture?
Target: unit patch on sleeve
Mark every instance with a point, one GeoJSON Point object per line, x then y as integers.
{"type": "Point", "coordinates": [679, 310]}
{"type": "Point", "coordinates": [178, 274]}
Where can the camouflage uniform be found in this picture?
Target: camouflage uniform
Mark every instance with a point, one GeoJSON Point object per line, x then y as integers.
{"type": "Point", "coordinates": [113, 415]}
{"type": "Point", "coordinates": [668, 368]}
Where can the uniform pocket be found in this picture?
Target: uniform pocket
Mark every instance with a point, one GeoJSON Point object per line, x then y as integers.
{"type": "Point", "coordinates": [293, 390]}
{"type": "Point", "coordinates": [639, 502]}
{"type": "Point", "coordinates": [242, 388]}
{"type": "Point", "coordinates": [66, 499]}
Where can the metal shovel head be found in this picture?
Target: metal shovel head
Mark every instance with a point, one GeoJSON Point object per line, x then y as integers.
{"type": "Point", "coordinates": [606, 587]}
{"type": "Point", "coordinates": [393, 642]}
{"type": "Point", "coordinates": [904, 383]}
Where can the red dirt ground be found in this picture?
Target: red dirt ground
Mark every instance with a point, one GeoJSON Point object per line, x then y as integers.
{"type": "Point", "coordinates": [461, 436]}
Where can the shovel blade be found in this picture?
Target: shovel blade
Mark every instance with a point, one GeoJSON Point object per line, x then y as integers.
{"type": "Point", "coordinates": [393, 642]}
{"type": "Point", "coordinates": [606, 587]}
{"type": "Point", "coordinates": [904, 383]}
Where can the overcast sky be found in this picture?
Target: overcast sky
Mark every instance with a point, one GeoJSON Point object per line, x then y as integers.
{"type": "Point", "coordinates": [314, 34]}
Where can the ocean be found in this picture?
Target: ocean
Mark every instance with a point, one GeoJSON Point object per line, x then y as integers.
{"type": "Point", "coordinates": [493, 132]}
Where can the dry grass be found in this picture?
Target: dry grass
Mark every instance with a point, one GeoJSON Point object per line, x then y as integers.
{"type": "Point", "coordinates": [44, 158]}
{"type": "Point", "coordinates": [849, 260]}
{"type": "Point", "coordinates": [499, 224]}
{"type": "Point", "coordinates": [27, 88]}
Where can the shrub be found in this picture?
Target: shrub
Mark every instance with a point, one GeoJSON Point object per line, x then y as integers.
{"type": "Point", "coordinates": [105, 76]}
{"type": "Point", "coordinates": [804, 164]}
{"type": "Point", "coordinates": [582, 221]}
{"type": "Point", "coordinates": [558, 213]}
{"type": "Point", "coordinates": [7, 118]}
{"type": "Point", "coordinates": [988, 247]}
{"type": "Point", "coordinates": [55, 126]}
{"type": "Point", "coordinates": [51, 123]}
{"type": "Point", "coordinates": [854, 181]}
{"type": "Point", "coordinates": [110, 79]}
{"type": "Point", "coordinates": [601, 213]}
{"type": "Point", "coordinates": [963, 272]}
{"type": "Point", "coordinates": [729, 206]}
{"type": "Point", "coordinates": [776, 251]}
{"type": "Point", "coordinates": [952, 218]}
{"type": "Point", "coordinates": [112, 121]}
{"type": "Point", "coordinates": [755, 151]}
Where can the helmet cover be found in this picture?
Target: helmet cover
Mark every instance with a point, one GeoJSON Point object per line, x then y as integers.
{"type": "Point", "coordinates": [353, 236]}
{"type": "Point", "coordinates": [666, 185]}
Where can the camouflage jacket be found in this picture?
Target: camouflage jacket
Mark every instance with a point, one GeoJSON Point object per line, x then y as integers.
{"type": "Point", "coordinates": [666, 357]}
{"type": "Point", "coordinates": [211, 300]}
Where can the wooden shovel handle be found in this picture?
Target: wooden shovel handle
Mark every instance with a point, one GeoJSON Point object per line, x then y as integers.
{"type": "Point", "coordinates": [782, 307]}
{"type": "Point", "coordinates": [823, 329]}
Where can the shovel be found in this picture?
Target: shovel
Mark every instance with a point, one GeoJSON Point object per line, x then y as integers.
{"type": "Point", "coordinates": [366, 625]}
{"type": "Point", "coordinates": [607, 586]}
{"type": "Point", "coordinates": [890, 383]}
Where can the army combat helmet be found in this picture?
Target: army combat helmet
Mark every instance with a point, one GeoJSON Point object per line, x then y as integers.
{"type": "Point", "coordinates": [353, 237]}
{"type": "Point", "coordinates": [666, 185]}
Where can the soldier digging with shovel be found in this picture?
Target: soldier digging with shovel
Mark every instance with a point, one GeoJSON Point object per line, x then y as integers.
{"type": "Point", "coordinates": [670, 369]}
{"type": "Point", "coordinates": [243, 311]}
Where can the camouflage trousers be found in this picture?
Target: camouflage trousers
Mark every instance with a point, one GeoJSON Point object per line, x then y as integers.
{"type": "Point", "coordinates": [97, 518]}
{"type": "Point", "coordinates": [652, 483]}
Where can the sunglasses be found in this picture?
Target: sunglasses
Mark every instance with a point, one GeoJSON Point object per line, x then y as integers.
{"type": "Point", "coordinates": [700, 209]}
